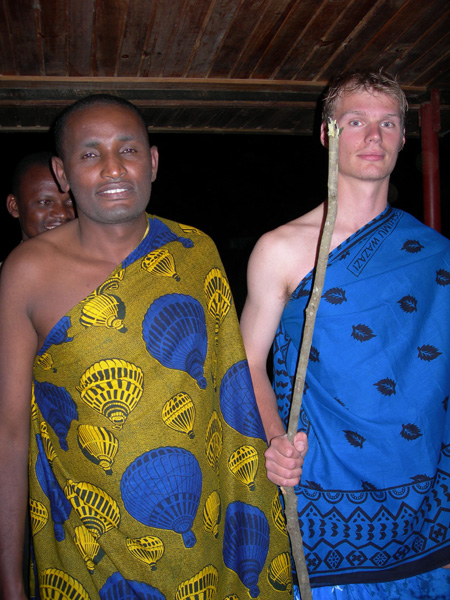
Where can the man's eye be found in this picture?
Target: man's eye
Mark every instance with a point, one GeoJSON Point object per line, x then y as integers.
{"type": "Point", "coordinates": [355, 123]}
{"type": "Point", "coordinates": [387, 124]}
{"type": "Point", "coordinates": [129, 150]}
{"type": "Point", "coordinates": [88, 155]}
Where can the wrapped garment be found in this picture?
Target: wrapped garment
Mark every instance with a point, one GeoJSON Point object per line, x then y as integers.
{"type": "Point", "coordinates": [374, 498]}
{"type": "Point", "coordinates": [147, 478]}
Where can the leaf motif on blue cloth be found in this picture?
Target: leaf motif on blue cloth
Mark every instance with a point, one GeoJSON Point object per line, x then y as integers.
{"type": "Point", "coordinates": [344, 255]}
{"type": "Point", "coordinates": [410, 432]}
{"type": "Point", "coordinates": [445, 403]}
{"type": "Point", "coordinates": [314, 485]}
{"type": "Point", "coordinates": [353, 438]}
{"type": "Point", "coordinates": [385, 386]}
{"type": "Point", "coordinates": [368, 487]}
{"type": "Point", "coordinates": [445, 449]}
{"type": "Point", "coordinates": [408, 304]}
{"type": "Point", "coordinates": [362, 333]}
{"type": "Point", "coordinates": [412, 246]}
{"type": "Point", "coordinates": [428, 352]}
{"type": "Point", "coordinates": [442, 277]}
{"type": "Point", "coordinates": [340, 402]}
{"type": "Point", "coordinates": [314, 354]}
{"type": "Point", "coordinates": [335, 296]}
{"type": "Point", "coordinates": [420, 478]}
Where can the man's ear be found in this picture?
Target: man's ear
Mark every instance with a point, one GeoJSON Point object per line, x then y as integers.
{"type": "Point", "coordinates": [60, 174]}
{"type": "Point", "coordinates": [324, 135]}
{"type": "Point", "coordinates": [155, 161]}
{"type": "Point", "coordinates": [12, 206]}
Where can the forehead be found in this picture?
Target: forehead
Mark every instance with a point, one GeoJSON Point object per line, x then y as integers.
{"type": "Point", "coordinates": [36, 175]}
{"type": "Point", "coordinates": [363, 101]}
{"type": "Point", "coordinates": [100, 121]}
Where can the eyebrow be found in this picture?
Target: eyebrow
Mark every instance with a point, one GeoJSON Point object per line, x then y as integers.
{"type": "Point", "coordinates": [95, 142]}
{"type": "Point", "coordinates": [363, 113]}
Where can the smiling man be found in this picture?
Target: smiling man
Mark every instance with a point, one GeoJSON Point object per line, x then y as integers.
{"type": "Point", "coordinates": [36, 200]}
{"type": "Point", "coordinates": [145, 469]}
{"type": "Point", "coordinates": [373, 501]}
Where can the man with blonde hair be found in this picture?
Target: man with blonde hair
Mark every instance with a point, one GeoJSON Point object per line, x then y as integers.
{"type": "Point", "coordinates": [373, 501]}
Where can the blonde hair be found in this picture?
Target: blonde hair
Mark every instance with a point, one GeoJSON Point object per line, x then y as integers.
{"type": "Point", "coordinates": [370, 81]}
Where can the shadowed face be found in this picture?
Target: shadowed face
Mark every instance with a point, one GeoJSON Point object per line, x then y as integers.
{"type": "Point", "coordinates": [40, 204]}
{"type": "Point", "coordinates": [107, 163]}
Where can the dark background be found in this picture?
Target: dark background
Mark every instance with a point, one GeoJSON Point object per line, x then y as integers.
{"type": "Point", "coordinates": [236, 187]}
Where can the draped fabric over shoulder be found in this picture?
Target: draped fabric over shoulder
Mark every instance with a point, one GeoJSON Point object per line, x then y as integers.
{"type": "Point", "coordinates": [374, 500]}
{"type": "Point", "coordinates": [147, 477]}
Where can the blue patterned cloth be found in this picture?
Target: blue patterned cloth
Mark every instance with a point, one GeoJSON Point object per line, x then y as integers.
{"type": "Point", "coordinates": [434, 585]}
{"type": "Point", "coordinates": [374, 500]}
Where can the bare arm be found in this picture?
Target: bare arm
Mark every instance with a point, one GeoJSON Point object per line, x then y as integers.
{"type": "Point", "coordinates": [266, 298]}
{"type": "Point", "coordinates": [18, 342]}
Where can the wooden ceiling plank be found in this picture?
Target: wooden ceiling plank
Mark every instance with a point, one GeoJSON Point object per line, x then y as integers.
{"type": "Point", "coordinates": [53, 23]}
{"type": "Point", "coordinates": [292, 65]}
{"type": "Point", "coordinates": [267, 34]}
{"type": "Point", "coordinates": [7, 61]}
{"type": "Point", "coordinates": [210, 39]}
{"type": "Point", "coordinates": [80, 22]}
{"type": "Point", "coordinates": [110, 19]}
{"type": "Point", "coordinates": [381, 49]}
{"type": "Point", "coordinates": [410, 66]}
{"type": "Point", "coordinates": [436, 59]}
{"type": "Point", "coordinates": [229, 55]}
{"type": "Point", "coordinates": [346, 57]}
{"type": "Point", "coordinates": [139, 21]}
{"type": "Point", "coordinates": [183, 43]}
{"type": "Point", "coordinates": [339, 34]}
{"type": "Point", "coordinates": [160, 37]}
{"type": "Point", "coordinates": [22, 17]}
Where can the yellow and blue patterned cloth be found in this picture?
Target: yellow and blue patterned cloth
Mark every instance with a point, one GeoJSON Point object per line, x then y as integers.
{"type": "Point", "coordinates": [147, 479]}
{"type": "Point", "coordinates": [374, 499]}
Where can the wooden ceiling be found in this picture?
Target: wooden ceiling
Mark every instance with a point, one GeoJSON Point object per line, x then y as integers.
{"type": "Point", "coordinates": [244, 66]}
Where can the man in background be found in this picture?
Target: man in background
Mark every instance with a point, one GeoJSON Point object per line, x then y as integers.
{"type": "Point", "coordinates": [36, 199]}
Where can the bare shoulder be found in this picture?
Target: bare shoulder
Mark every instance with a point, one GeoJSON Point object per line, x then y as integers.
{"type": "Point", "coordinates": [288, 252]}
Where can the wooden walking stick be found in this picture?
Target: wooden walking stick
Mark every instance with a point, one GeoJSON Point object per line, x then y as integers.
{"type": "Point", "coordinates": [310, 317]}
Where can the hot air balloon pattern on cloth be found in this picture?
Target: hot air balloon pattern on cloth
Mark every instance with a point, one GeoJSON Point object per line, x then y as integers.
{"type": "Point", "coordinates": [219, 300]}
{"type": "Point", "coordinates": [88, 547]}
{"type": "Point", "coordinates": [246, 543]}
{"type": "Point", "coordinates": [57, 408]}
{"type": "Point", "coordinates": [214, 442]}
{"type": "Point", "coordinates": [148, 549]}
{"type": "Point", "coordinates": [102, 308]}
{"type": "Point", "coordinates": [279, 573]}
{"type": "Point", "coordinates": [96, 509]}
{"type": "Point", "coordinates": [243, 463]}
{"type": "Point", "coordinates": [212, 513]}
{"type": "Point", "coordinates": [178, 413]}
{"type": "Point", "coordinates": [278, 515]}
{"type": "Point", "coordinates": [242, 415]}
{"type": "Point", "coordinates": [46, 442]}
{"type": "Point", "coordinates": [118, 588]}
{"type": "Point", "coordinates": [38, 515]}
{"type": "Point", "coordinates": [159, 236]}
{"type": "Point", "coordinates": [174, 332]}
{"type": "Point", "coordinates": [59, 585]}
{"type": "Point", "coordinates": [162, 489]}
{"type": "Point", "coordinates": [59, 505]}
{"type": "Point", "coordinates": [202, 586]}
{"type": "Point", "coordinates": [99, 445]}
{"type": "Point", "coordinates": [160, 262]}
{"type": "Point", "coordinates": [112, 387]}
{"type": "Point", "coordinates": [58, 335]}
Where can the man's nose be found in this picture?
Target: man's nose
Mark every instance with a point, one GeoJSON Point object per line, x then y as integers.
{"type": "Point", "coordinates": [373, 132]}
{"type": "Point", "coordinates": [113, 167]}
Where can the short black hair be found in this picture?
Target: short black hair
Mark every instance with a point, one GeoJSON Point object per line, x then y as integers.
{"type": "Point", "coordinates": [86, 102]}
{"type": "Point", "coordinates": [43, 158]}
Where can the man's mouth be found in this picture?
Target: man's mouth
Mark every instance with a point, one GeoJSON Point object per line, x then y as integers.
{"type": "Point", "coordinates": [115, 189]}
